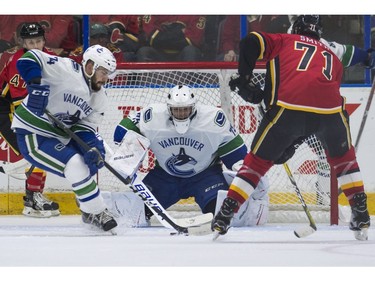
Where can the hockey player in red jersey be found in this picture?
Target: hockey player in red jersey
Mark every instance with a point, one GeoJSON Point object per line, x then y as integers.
{"type": "Point", "coordinates": [302, 97]}
{"type": "Point", "coordinates": [31, 36]}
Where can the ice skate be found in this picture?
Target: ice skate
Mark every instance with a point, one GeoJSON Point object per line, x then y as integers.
{"type": "Point", "coordinates": [360, 219]}
{"type": "Point", "coordinates": [38, 206]}
{"type": "Point", "coordinates": [103, 220]}
{"type": "Point", "coordinates": [222, 220]}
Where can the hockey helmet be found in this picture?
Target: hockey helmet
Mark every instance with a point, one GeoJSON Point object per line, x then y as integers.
{"type": "Point", "coordinates": [31, 30]}
{"type": "Point", "coordinates": [309, 25]}
{"type": "Point", "coordinates": [181, 107]}
{"type": "Point", "coordinates": [98, 30]}
{"type": "Point", "coordinates": [101, 56]}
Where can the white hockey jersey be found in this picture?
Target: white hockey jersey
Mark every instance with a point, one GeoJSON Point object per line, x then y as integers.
{"type": "Point", "coordinates": [70, 99]}
{"type": "Point", "coordinates": [345, 53]}
{"type": "Point", "coordinates": [210, 136]}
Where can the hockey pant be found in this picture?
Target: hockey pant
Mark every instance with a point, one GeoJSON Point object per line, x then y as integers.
{"type": "Point", "coordinates": [65, 161]}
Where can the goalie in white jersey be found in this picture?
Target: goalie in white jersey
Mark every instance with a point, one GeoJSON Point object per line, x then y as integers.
{"type": "Point", "coordinates": [74, 94]}
{"type": "Point", "coordinates": [190, 142]}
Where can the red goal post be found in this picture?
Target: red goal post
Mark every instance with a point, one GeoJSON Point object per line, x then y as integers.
{"type": "Point", "coordinates": [139, 84]}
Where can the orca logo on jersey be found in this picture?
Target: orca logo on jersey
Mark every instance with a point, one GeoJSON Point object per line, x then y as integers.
{"type": "Point", "coordinates": [68, 119]}
{"type": "Point", "coordinates": [181, 160]}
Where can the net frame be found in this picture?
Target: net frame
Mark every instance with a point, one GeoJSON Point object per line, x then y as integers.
{"type": "Point", "coordinates": [223, 71]}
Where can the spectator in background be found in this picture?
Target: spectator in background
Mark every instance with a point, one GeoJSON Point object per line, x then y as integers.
{"type": "Point", "coordinates": [99, 35]}
{"type": "Point", "coordinates": [229, 33]}
{"type": "Point", "coordinates": [55, 26]}
{"type": "Point", "coordinates": [13, 91]}
{"type": "Point", "coordinates": [74, 37]}
{"type": "Point", "coordinates": [7, 54]}
{"type": "Point", "coordinates": [123, 31]}
{"type": "Point", "coordinates": [172, 38]}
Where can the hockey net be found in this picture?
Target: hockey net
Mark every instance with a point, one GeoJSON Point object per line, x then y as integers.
{"type": "Point", "coordinates": [139, 84]}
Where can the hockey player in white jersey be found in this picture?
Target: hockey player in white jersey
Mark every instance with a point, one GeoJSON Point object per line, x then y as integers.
{"type": "Point", "coordinates": [74, 94]}
{"type": "Point", "coordinates": [190, 142]}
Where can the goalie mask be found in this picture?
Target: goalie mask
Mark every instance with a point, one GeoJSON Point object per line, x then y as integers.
{"type": "Point", "coordinates": [181, 107]}
{"type": "Point", "coordinates": [309, 25]}
{"type": "Point", "coordinates": [101, 56]}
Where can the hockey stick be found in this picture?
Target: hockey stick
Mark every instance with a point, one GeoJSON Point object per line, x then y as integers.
{"type": "Point", "coordinates": [140, 189]}
{"type": "Point", "coordinates": [305, 230]}
{"type": "Point", "coordinates": [365, 114]}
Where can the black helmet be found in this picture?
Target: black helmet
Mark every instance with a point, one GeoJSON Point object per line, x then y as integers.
{"type": "Point", "coordinates": [99, 29]}
{"type": "Point", "coordinates": [309, 25]}
{"type": "Point", "coordinates": [31, 30]}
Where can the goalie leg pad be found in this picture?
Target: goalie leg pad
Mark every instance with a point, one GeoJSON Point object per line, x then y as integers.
{"type": "Point", "coordinates": [128, 207]}
{"type": "Point", "coordinates": [252, 212]}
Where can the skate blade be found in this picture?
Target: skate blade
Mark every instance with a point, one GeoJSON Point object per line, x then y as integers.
{"type": "Point", "coordinates": [112, 231]}
{"type": "Point", "coordinates": [361, 235]}
{"type": "Point", "coordinates": [30, 212]}
{"type": "Point", "coordinates": [55, 213]}
{"type": "Point", "coordinates": [215, 235]}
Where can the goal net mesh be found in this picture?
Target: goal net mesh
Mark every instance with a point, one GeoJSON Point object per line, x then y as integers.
{"type": "Point", "coordinates": [132, 89]}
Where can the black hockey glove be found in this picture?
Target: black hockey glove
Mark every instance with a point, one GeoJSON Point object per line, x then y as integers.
{"type": "Point", "coordinates": [246, 89]}
{"type": "Point", "coordinates": [289, 152]}
{"type": "Point", "coordinates": [370, 62]}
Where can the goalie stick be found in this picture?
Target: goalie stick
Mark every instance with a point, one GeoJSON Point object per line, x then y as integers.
{"type": "Point", "coordinates": [143, 192]}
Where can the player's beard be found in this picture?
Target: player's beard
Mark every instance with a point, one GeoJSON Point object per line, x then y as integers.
{"type": "Point", "coordinates": [95, 84]}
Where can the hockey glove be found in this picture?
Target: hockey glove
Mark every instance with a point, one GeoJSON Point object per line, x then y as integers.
{"type": "Point", "coordinates": [94, 158]}
{"type": "Point", "coordinates": [370, 62]}
{"type": "Point", "coordinates": [246, 89]}
{"type": "Point", "coordinates": [38, 98]}
{"type": "Point", "coordinates": [289, 152]}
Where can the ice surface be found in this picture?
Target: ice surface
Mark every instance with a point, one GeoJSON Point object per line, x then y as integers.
{"type": "Point", "coordinates": [65, 242]}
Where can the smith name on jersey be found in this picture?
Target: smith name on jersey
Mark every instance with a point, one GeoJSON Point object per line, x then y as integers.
{"type": "Point", "coordinates": [70, 99]}
{"type": "Point", "coordinates": [209, 139]}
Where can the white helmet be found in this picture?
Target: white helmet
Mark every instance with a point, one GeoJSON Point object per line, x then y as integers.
{"type": "Point", "coordinates": [181, 107]}
{"type": "Point", "coordinates": [101, 56]}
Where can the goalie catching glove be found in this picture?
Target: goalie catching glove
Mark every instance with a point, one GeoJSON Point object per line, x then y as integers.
{"type": "Point", "coordinates": [246, 89]}
{"type": "Point", "coordinates": [38, 98]}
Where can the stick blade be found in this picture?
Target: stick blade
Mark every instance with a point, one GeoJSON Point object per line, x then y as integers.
{"type": "Point", "coordinates": [195, 221]}
{"type": "Point", "coordinates": [304, 231]}
{"type": "Point", "coordinates": [201, 230]}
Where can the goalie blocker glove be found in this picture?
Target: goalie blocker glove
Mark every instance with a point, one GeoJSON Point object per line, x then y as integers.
{"type": "Point", "coordinates": [37, 98]}
{"type": "Point", "coordinates": [246, 89]}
